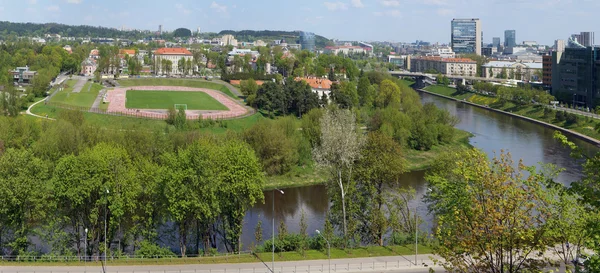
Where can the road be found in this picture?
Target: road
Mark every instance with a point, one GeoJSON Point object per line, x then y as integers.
{"type": "Point", "coordinates": [32, 114]}
{"type": "Point", "coordinates": [373, 264]}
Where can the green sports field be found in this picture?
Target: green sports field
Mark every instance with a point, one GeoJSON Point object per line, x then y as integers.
{"type": "Point", "coordinates": [138, 99]}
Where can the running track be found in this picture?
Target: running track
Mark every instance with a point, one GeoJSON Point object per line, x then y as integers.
{"type": "Point", "coordinates": [117, 98]}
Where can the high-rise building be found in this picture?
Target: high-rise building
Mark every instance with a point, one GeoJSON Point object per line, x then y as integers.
{"type": "Point", "coordinates": [159, 29]}
{"type": "Point", "coordinates": [559, 45]}
{"type": "Point", "coordinates": [466, 36]}
{"type": "Point", "coordinates": [496, 42]}
{"type": "Point", "coordinates": [307, 40]}
{"type": "Point", "coordinates": [576, 72]}
{"type": "Point", "coordinates": [510, 38]}
{"type": "Point", "coordinates": [586, 39]}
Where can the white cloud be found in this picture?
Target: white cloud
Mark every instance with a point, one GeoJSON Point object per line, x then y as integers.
{"type": "Point", "coordinates": [445, 12]}
{"type": "Point", "coordinates": [391, 13]}
{"type": "Point", "coordinates": [53, 8]}
{"type": "Point", "coordinates": [182, 9]}
{"type": "Point", "coordinates": [74, 1]}
{"type": "Point", "coordinates": [357, 4]}
{"type": "Point", "coordinates": [436, 2]}
{"type": "Point", "coordinates": [390, 3]}
{"type": "Point", "coordinates": [32, 2]}
{"type": "Point", "coordinates": [218, 8]}
{"type": "Point", "coordinates": [335, 5]}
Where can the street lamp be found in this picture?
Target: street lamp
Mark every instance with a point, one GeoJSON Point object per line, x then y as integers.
{"type": "Point", "coordinates": [85, 247]}
{"type": "Point", "coordinates": [273, 234]}
{"type": "Point", "coordinates": [328, 249]}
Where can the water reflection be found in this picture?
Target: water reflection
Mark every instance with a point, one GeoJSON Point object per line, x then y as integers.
{"type": "Point", "coordinates": [492, 132]}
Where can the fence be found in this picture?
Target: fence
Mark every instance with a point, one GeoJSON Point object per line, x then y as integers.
{"type": "Point", "coordinates": [320, 266]}
{"type": "Point", "coordinates": [132, 113]}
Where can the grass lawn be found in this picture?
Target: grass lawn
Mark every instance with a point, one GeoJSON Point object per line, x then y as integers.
{"type": "Point", "coordinates": [83, 99]}
{"type": "Point", "coordinates": [177, 82]}
{"type": "Point", "coordinates": [166, 99]}
{"type": "Point", "coordinates": [371, 251]}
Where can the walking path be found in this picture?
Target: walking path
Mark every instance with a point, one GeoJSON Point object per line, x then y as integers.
{"type": "Point", "coordinates": [32, 114]}
{"type": "Point", "coordinates": [373, 264]}
{"type": "Point", "coordinates": [79, 85]}
{"type": "Point", "coordinates": [96, 104]}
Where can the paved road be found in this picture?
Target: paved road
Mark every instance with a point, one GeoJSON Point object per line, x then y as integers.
{"type": "Point", "coordinates": [375, 264]}
{"type": "Point", "coordinates": [98, 100]}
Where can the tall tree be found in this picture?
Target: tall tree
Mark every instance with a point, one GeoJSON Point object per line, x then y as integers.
{"type": "Point", "coordinates": [339, 149]}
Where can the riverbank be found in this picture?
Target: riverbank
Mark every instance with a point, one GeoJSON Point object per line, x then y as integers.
{"type": "Point", "coordinates": [416, 161]}
{"type": "Point", "coordinates": [583, 129]}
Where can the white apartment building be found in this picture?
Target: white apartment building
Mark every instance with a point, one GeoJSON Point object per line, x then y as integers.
{"type": "Point", "coordinates": [521, 71]}
{"type": "Point", "coordinates": [446, 66]}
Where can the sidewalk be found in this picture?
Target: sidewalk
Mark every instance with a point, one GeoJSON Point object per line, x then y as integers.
{"type": "Point", "coordinates": [373, 264]}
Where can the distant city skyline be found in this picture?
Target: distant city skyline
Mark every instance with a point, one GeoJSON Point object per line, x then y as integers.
{"type": "Point", "coordinates": [543, 21]}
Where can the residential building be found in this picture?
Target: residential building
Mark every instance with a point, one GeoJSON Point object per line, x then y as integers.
{"type": "Point", "coordinates": [466, 36]}
{"type": "Point", "coordinates": [95, 54]}
{"type": "Point", "coordinates": [489, 51]}
{"type": "Point", "coordinates": [576, 72]}
{"type": "Point", "coordinates": [88, 67]}
{"type": "Point", "coordinates": [521, 71]}
{"type": "Point", "coordinates": [228, 40]}
{"type": "Point", "coordinates": [307, 40]}
{"type": "Point", "coordinates": [260, 43]}
{"type": "Point", "coordinates": [444, 52]}
{"type": "Point", "coordinates": [318, 85]}
{"type": "Point", "coordinates": [496, 42]}
{"type": "Point", "coordinates": [446, 66]}
{"type": "Point", "coordinates": [367, 47]}
{"type": "Point", "coordinates": [547, 70]}
{"type": "Point", "coordinates": [530, 43]}
{"type": "Point", "coordinates": [23, 75]}
{"type": "Point", "coordinates": [510, 38]}
{"type": "Point", "coordinates": [398, 60]}
{"type": "Point", "coordinates": [559, 45]}
{"type": "Point", "coordinates": [173, 55]}
{"type": "Point", "coordinates": [68, 49]}
{"type": "Point", "coordinates": [346, 50]}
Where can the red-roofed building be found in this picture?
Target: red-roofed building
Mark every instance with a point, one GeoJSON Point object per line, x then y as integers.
{"type": "Point", "coordinates": [129, 52]}
{"type": "Point", "coordinates": [173, 55]}
{"type": "Point", "coordinates": [318, 85]}
{"type": "Point", "coordinates": [446, 66]}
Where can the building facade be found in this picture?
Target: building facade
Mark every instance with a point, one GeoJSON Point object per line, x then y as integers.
{"type": "Point", "coordinates": [88, 67]}
{"type": "Point", "coordinates": [228, 40]}
{"type": "Point", "coordinates": [510, 38]}
{"type": "Point", "coordinates": [346, 50]}
{"type": "Point", "coordinates": [576, 72]}
{"type": "Point", "coordinates": [559, 45]}
{"type": "Point", "coordinates": [173, 55]}
{"type": "Point", "coordinates": [586, 38]}
{"type": "Point", "coordinates": [23, 75]}
{"type": "Point", "coordinates": [446, 66]}
{"type": "Point", "coordinates": [547, 70]}
{"type": "Point", "coordinates": [307, 41]}
{"type": "Point", "coordinates": [528, 72]}
{"type": "Point", "coordinates": [466, 36]}
{"type": "Point", "coordinates": [496, 42]}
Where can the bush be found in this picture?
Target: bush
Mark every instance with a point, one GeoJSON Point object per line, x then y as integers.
{"type": "Point", "coordinates": [400, 238]}
{"type": "Point", "coordinates": [559, 116]}
{"type": "Point", "coordinates": [571, 119]}
{"type": "Point", "coordinates": [149, 249]}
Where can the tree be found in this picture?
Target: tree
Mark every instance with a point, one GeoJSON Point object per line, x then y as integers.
{"type": "Point", "coordinates": [489, 215]}
{"type": "Point", "coordinates": [339, 149]}
{"type": "Point", "coordinates": [248, 87]}
{"type": "Point", "coordinates": [389, 95]}
{"type": "Point", "coordinates": [366, 92]}
{"type": "Point", "coordinates": [345, 95]}
{"type": "Point", "coordinates": [379, 168]}
{"type": "Point", "coordinates": [182, 33]}
{"type": "Point", "coordinates": [270, 97]}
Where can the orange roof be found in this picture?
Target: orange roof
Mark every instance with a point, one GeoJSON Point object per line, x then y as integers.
{"type": "Point", "coordinates": [127, 51]}
{"type": "Point", "coordinates": [317, 83]}
{"type": "Point", "coordinates": [173, 51]}
{"type": "Point", "coordinates": [447, 60]}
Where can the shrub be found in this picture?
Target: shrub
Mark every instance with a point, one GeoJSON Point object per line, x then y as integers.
{"type": "Point", "coordinates": [149, 249]}
{"type": "Point", "coordinates": [559, 116]}
{"type": "Point", "coordinates": [571, 119]}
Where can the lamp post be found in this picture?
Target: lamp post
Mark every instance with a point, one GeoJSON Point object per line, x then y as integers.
{"type": "Point", "coordinates": [85, 248]}
{"type": "Point", "coordinates": [328, 249]}
{"type": "Point", "coordinates": [273, 234]}
{"type": "Point", "coordinates": [105, 225]}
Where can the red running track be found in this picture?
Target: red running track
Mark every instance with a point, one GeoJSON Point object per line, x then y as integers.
{"type": "Point", "coordinates": [117, 97]}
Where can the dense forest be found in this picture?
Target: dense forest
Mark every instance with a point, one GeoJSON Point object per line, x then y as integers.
{"type": "Point", "coordinates": [35, 29]}
{"type": "Point", "coordinates": [266, 35]}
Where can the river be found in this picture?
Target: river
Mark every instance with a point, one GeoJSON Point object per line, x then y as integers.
{"type": "Point", "coordinates": [493, 132]}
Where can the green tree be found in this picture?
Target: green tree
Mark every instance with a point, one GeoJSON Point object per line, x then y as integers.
{"type": "Point", "coordinates": [340, 147]}
{"type": "Point", "coordinates": [488, 214]}
{"type": "Point", "coordinates": [248, 87]}
{"type": "Point", "coordinates": [366, 92]}
{"type": "Point", "coordinates": [389, 95]}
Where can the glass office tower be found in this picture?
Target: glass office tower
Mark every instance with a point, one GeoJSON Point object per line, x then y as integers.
{"type": "Point", "coordinates": [466, 36]}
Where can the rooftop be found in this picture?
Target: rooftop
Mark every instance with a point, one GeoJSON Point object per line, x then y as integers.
{"type": "Point", "coordinates": [500, 64]}
{"type": "Point", "coordinates": [173, 51]}
{"type": "Point", "coordinates": [317, 83]}
{"type": "Point", "coordinates": [446, 60]}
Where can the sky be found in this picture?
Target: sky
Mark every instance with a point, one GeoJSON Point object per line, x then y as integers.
{"type": "Point", "coordinates": [365, 20]}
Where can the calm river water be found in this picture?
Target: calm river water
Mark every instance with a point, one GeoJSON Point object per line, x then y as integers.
{"type": "Point", "coordinates": [492, 132]}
